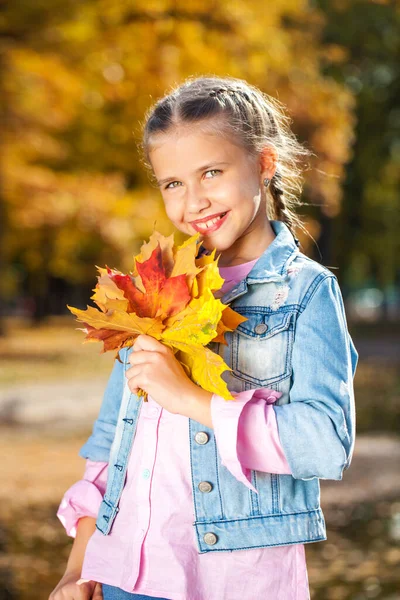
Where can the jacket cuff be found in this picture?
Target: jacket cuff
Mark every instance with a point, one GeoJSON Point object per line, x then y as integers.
{"type": "Point", "coordinates": [245, 443]}
{"type": "Point", "coordinates": [83, 499]}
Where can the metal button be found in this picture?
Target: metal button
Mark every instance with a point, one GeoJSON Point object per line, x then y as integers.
{"type": "Point", "coordinates": [201, 437]}
{"type": "Point", "coordinates": [205, 486]}
{"type": "Point", "coordinates": [261, 328]}
{"type": "Point", "coordinates": [210, 538]}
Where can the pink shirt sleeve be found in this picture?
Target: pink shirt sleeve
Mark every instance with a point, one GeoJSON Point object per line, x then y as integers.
{"type": "Point", "coordinates": [83, 499]}
{"type": "Point", "coordinates": [247, 434]}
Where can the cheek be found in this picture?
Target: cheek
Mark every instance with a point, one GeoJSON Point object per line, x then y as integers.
{"type": "Point", "coordinates": [174, 212]}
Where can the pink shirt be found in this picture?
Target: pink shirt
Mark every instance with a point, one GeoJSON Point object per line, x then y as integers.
{"type": "Point", "coordinates": [152, 547]}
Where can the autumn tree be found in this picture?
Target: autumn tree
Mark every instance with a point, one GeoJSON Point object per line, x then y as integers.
{"type": "Point", "coordinates": [76, 191]}
{"type": "Point", "coordinates": [368, 35]}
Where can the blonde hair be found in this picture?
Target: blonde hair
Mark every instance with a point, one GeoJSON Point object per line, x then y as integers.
{"type": "Point", "coordinates": [240, 110]}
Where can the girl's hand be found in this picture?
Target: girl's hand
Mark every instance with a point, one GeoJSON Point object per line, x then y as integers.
{"type": "Point", "coordinates": [156, 371]}
{"type": "Point", "coordinates": [71, 587]}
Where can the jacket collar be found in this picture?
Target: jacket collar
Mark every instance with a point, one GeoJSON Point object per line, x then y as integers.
{"type": "Point", "coordinates": [272, 264]}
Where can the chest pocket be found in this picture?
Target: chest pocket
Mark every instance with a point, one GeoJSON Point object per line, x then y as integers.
{"type": "Point", "coordinates": [262, 347]}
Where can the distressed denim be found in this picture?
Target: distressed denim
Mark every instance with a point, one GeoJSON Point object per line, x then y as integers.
{"type": "Point", "coordinates": [295, 341]}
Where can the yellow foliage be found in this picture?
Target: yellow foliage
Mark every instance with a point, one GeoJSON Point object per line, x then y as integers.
{"type": "Point", "coordinates": [157, 299]}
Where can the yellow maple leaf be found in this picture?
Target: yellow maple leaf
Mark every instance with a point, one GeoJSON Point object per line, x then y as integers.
{"type": "Point", "coordinates": [119, 320]}
{"type": "Point", "coordinates": [107, 294]}
{"type": "Point", "coordinates": [209, 277]}
{"type": "Point", "coordinates": [206, 368]}
{"type": "Point", "coordinates": [171, 296]}
{"type": "Point", "coordinates": [199, 324]}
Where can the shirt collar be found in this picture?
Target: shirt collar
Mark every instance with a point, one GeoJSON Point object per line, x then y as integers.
{"type": "Point", "coordinates": [272, 264]}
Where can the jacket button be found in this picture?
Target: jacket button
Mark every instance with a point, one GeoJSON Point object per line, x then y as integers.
{"type": "Point", "coordinates": [205, 486]}
{"type": "Point", "coordinates": [210, 538]}
{"type": "Point", "coordinates": [261, 328]}
{"type": "Point", "coordinates": [201, 437]}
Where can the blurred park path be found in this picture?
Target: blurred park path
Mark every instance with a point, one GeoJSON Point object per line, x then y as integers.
{"type": "Point", "coordinates": [66, 406]}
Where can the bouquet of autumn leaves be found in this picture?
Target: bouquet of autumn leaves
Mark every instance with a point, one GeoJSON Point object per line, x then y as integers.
{"type": "Point", "coordinates": [169, 296]}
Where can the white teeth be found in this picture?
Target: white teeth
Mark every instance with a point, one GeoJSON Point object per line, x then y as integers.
{"type": "Point", "coordinates": [209, 224]}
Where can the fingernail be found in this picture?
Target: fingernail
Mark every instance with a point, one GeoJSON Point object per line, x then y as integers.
{"type": "Point", "coordinates": [82, 581]}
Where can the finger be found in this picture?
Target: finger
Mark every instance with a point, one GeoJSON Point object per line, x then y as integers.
{"type": "Point", "coordinates": [86, 587]}
{"type": "Point", "coordinates": [133, 372]}
{"type": "Point", "coordinates": [98, 592]}
{"type": "Point", "coordinates": [135, 382]}
{"type": "Point", "coordinates": [141, 357]}
{"type": "Point", "coordinates": [146, 342]}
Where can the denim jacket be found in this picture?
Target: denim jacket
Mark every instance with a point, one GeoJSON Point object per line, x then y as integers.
{"type": "Point", "coordinates": [295, 341]}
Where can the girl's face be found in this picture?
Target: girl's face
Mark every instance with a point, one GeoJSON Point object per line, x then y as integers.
{"type": "Point", "coordinates": [212, 186]}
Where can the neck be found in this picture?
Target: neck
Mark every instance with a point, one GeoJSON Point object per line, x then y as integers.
{"type": "Point", "coordinates": [246, 248]}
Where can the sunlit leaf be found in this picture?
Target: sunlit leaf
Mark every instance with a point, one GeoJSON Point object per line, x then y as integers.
{"type": "Point", "coordinates": [166, 309]}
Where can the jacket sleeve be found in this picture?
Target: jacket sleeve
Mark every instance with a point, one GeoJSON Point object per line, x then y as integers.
{"type": "Point", "coordinates": [317, 426]}
{"type": "Point", "coordinates": [97, 447]}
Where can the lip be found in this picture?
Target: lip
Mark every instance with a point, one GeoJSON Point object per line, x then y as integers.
{"type": "Point", "coordinates": [205, 219]}
{"type": "Point", "coordinates": [214, 227]}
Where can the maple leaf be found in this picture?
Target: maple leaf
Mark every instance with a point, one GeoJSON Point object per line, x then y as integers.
{"type": "Point", "coordinates": [185, 262]}
{"type": "Point", "coordinates": [107, 294]}
{"type": "Point", "coordinates": [116, 328]}
{"type": "Point", "coordinates": [167, 248]}
{"type": "Point", "coordinates": [170, 295]}
{"type": "Point", "coordinates": [161, 296]}
{"type": "Point", "coordinates": [209, 277]}
{"type": "Point", "coordinates": [199, 323]}
{"type": "Point", "coordinates": [206, 368]}
{"type": "Point", "coordinates": [229, 321]}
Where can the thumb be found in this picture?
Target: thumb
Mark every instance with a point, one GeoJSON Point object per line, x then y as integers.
{"type": "Point", "coordinates": [86, 588]}
{"type": "Point", "coordinates": [98, 593]}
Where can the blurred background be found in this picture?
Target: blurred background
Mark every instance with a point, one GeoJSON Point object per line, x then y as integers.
{"type": "Point", "coordinates": [76, 78]}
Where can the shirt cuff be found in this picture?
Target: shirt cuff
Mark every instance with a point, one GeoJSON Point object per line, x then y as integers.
{"type": "Point", "coordinates": [247, 435]}
{"type": "Point", "coordinates": [83, 499]}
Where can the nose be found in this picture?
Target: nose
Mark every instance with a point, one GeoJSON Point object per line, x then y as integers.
{"type": "Point", "coordinates": [196, 200]}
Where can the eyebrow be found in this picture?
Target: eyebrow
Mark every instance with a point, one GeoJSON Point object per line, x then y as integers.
{"type": "Point", "coordinates": [199, 170]}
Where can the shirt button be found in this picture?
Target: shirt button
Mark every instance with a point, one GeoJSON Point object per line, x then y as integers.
{"type": "Point", "coordinates": [201, 437]}
{"type": "Point", "coordinates": [145, 473]}
{"type": "Point", "coordinates": [205, 486]}
{"type": "Point", "coordinates": [261, 328]}
{"type": "Point", "coordinates": [210, 538]}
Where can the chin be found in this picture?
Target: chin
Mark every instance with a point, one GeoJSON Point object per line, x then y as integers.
{"type": "Point", "coordinates": [218, 246]}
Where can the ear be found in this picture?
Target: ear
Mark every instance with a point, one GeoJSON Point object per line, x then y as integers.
{"type": "Point", "coordinates": [268, 162]}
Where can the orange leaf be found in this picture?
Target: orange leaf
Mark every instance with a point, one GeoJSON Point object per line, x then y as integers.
{"type": "Point", "coordinates": [229, 321]}
{"type": "Point", "coordinates": [173, 297]}
{"type": "Point", "coordinates": [152, 274]}
{"type": "Point", "coordinates": [170, 295]}
{"type": "Point", "coordinates": [166, 244]}
{"type": "Point", "coordinates": [112, 339]}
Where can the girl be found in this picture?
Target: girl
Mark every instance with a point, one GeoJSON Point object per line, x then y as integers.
{"type": "Point", "coordinates": [194, 497]}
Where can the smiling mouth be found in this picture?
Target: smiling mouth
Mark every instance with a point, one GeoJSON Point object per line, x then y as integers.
{"type": "Point", "coordinates": [208, 224]}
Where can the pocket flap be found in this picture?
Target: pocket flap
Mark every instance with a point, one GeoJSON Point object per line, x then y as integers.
{"type": "Point", "coordinates": [264, 325]}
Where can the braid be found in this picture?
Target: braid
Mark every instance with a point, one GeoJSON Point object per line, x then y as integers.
{"type": "Point", "coordinates": [281, 210]}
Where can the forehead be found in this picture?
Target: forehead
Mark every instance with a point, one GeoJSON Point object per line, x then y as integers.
{"type": "Point", "coordinates": [187, 147]}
